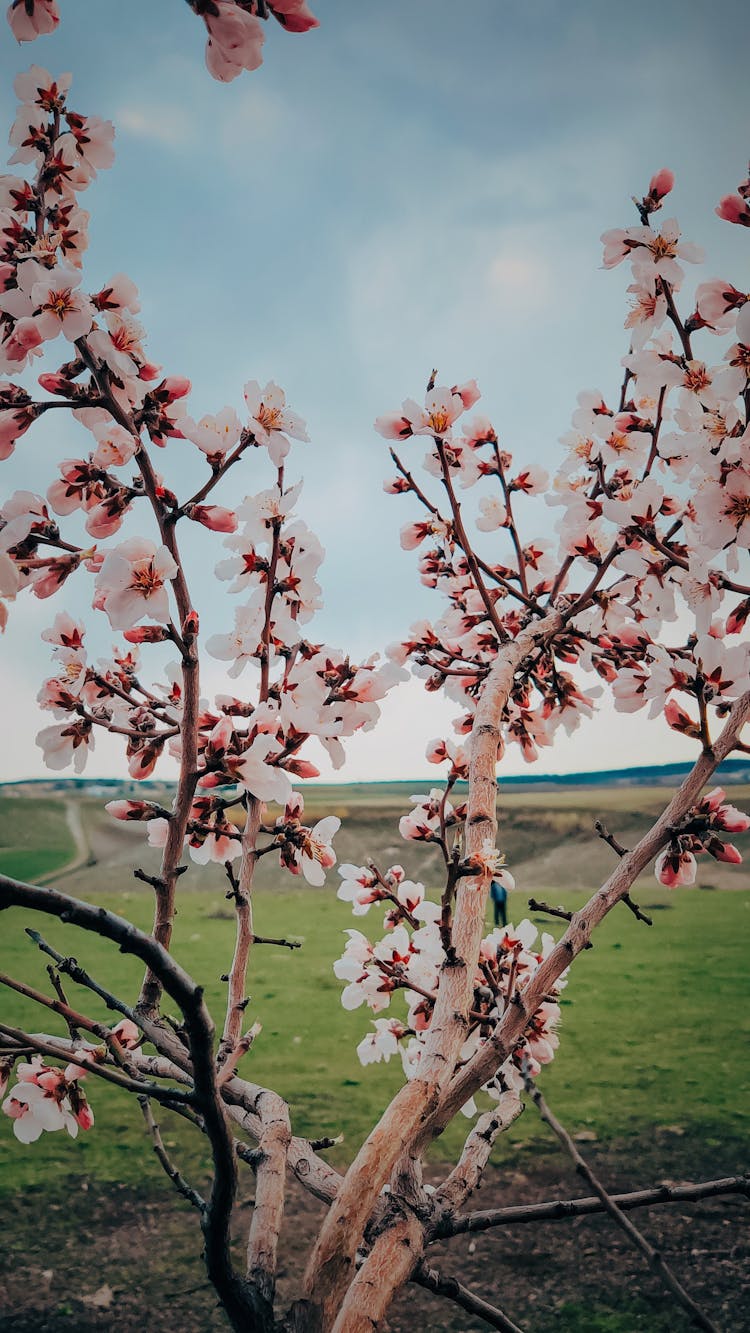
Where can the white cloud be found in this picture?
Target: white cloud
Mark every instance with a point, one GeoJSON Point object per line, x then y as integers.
{"type": "Point", "coordinates": [169, 124]}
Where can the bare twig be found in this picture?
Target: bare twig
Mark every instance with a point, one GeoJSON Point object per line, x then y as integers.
{"type": "Point", "coordinates": [561, 912]}
{"type": "Point", "coordinates": [179, 1182]}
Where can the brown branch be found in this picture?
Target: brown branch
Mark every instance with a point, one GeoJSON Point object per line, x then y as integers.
{"type": "Point", "coordinates": [558, 1210]}
{"type": "Point", "coordinates": [331, 1264]}
{"type": "Point", "coordinates": [561, 912]}
{"type": "Point", "coordinates": [270, 1188]}
{"type": "Point", "coordinates": [237, 976]}
{"type": "Point", "coordinates": [606, 836]}
{"type": "Point", "coordinates": [655, 1260]}
{"type": "Point", "coordinates": [233, 1291]}
{"type": "Point", "coordinates": [178, 1180]}
{"type": "Point", "coordinates": [467, 1173]}
{"type": "Point", "coordinates": [47, 1045]}
{"type": "Point", "coordinates": [455, 1291]}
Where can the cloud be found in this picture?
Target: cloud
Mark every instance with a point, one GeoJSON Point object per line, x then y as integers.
{"type": "Point", "coordinates": [168, 124]}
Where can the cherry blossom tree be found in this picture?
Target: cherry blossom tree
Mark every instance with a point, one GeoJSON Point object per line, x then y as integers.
{"type": "Point", "coordinates": [637, 593]}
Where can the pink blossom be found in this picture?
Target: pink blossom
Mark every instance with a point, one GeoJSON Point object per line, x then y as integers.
{"type": "Point", "coordinates": [69, 743]}
{"type": "Point", "coordinates": [271, 421]}
{"type": "Point", "coordinates": [717, 303]}
{"type": "Point", "coordinates": [120, 293]}
{"type": "Point", "coordinates": [133, 582]}
{"type": "Point", "coordinates": [61, 309]}
{"type": "Point", "coordinates": [37, 86]}
{"type": "Point", "coordinates": [132, 810]}
{"type": "Point", "coordinates": [32, 18]}
{"type": "Point", "coordinates": [235, 40]}
{"type": "Point", "coordinates": [661, 184]}
{"type": "Point", "coordinates": [263, 780]}
{"type": "Point", "coordinates": [532, 480]}
{"type": "Point", "coordinates": [127, 1033]}
{"type": "Point", "coordinates": [674, 867]}
{"type": "Point", "coordinates": [214, 435]}
{"type": "Point", "coordinates": [65, 632]}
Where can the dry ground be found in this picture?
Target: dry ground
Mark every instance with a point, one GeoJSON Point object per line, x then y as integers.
{"type": "Point", "coordinates": [114, 1259]}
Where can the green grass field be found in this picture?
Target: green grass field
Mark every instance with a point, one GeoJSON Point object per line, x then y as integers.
{"type": "Point", "coordinates": [653, 1019]}
{"type": "Point", "coordinates": [34, 836]}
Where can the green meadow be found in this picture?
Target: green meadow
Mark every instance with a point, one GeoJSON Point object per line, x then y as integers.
{"type": "Point", "coordinates": [654, 1020]}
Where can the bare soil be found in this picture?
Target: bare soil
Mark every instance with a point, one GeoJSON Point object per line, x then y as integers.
{"type": "Point", "coordinates": [91, 1257]}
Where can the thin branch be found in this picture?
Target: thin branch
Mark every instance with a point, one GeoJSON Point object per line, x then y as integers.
{"type": "Point", "coordinates": [63, 999]}
{"type": "Point", "coordinates": [561, 912]}
{"type": "Point", "coordinates": [71, 968]}
{"type": "Point", "coordinates": [558, 1210]}
{"type": "Point", "coordinates": [178, 1180]}
{"type": "Point", "coordinates": [46, 1045]}
{"type": "Point", "coordinates": [655, 1260]}
{"type": "Point", "coordinates": [455, 1291]}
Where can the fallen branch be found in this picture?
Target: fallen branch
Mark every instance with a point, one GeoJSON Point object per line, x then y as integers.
{"type": "Point", "coordinates": [655, 1260]}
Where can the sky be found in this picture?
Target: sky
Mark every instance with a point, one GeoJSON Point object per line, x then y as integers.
{"type": "Point", "coordinates": [408, 187]}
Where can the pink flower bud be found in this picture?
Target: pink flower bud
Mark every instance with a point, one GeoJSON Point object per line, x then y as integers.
{"type": "Point", "coordinates": [146, 634]}
{"type": "Point", "coordinates": [302, 768]}
{"type": "Point", "coordinates": [174, 387]}
{"type": "Point", "coordinates": [733, 208]}
{"type": "Point", "coordinates": [214, 517]}
{"type": "Point", "coordinates": [661, 183]}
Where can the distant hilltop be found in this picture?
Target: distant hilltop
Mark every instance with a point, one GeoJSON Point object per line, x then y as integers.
{"type": "Point", "coordinates": [732, 771]}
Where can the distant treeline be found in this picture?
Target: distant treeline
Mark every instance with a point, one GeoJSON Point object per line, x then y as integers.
{"type": "Point", "coordinates": [645, 775]}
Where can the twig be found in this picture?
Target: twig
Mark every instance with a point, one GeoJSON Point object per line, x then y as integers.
{"type": "Point", "coordinates": [636, 910]}
{"type": "Point", "coordinates": [178, 1180]}
{"type": "Point", "coordinates": [232, 1058]}
{"type": "Point", "coordinates": [559, 1210]}
{"type": "Point", "coordinates": [73, 1020]}
{"type": "Point", "coordinates": [604, 833]}
{"type": "Point", "coordinates": [455, 1291]}
{"type": "Point", "coordinates": [536, 906]}
{"type": "Point", "coordinates": [62, 997]}
{"type": "Point", "coordinates": [70, 967]}
{"type": "Point", "coordinates": [654, 1259]}
{"type": "Point", "coordinates": [285, 944]}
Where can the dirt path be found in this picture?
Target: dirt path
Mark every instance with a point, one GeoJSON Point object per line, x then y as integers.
{"type": "Point", "coordinates": [80, 841]}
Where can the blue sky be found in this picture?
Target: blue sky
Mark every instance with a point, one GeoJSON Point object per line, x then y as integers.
{"type": "Point", "coordinates": [409, 186]}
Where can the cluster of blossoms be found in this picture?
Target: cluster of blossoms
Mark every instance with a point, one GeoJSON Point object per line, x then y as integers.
{"type": "Point", "coordinates": [697, 834]}
{"type": "Point", "coordinates": [653, 501]}
{"type": "Point", "coordinates": [46, 1098]}
{"type": "Point", "coordinates": [417, 942]}
{"type": "Point", "coordinates": [235, 31]}
{"type": "Point", "coordinates": [653, 497]}
{"type": "Point", "coordinates": [237, 749]}
{"type": "Point", "coordinates": [410, 956]}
